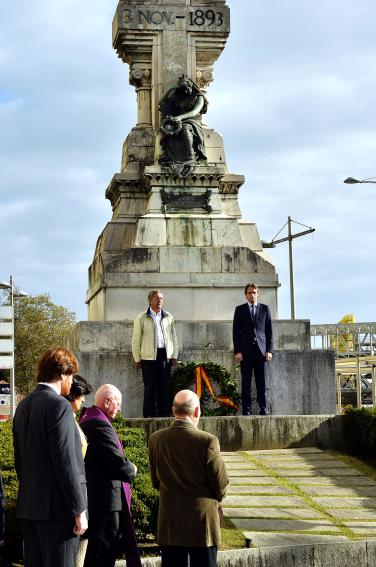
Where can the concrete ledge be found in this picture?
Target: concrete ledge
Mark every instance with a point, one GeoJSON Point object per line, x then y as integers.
{"type": "Point", "coordinates": [359, 553]}
{"type": "Point", "coordinates": [243, 433]}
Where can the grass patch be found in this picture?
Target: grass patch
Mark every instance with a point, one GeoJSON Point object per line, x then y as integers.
{"type": "Point", "coordinates": [232, 538]}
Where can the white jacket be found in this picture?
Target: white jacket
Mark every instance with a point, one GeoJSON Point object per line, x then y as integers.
{"type": "Point", "coordinates": [144, 338]}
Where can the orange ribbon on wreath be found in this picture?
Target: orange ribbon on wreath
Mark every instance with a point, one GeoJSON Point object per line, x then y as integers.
{"type": "Point", "coordinates": [201, 379]}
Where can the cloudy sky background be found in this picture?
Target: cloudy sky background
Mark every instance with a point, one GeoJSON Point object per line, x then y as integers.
{"type": "Point", "coordinates": [294, 97]}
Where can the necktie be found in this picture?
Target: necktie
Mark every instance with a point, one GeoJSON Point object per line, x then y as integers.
{"type": "Point", "coordinates": [253, 312]}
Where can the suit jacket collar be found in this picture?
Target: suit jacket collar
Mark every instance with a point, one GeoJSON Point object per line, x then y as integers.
{"type": "Point", "coordinates": [45, 388]}
{"type": "Point", "coordinates": [180, 423]}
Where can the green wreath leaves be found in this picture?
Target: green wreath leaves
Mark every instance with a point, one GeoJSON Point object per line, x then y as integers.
{"type": "Point", "coordinates": [223, 382]}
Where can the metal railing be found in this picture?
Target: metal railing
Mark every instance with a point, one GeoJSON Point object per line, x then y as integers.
{"type": "Point", "coordinates": [347, 340]}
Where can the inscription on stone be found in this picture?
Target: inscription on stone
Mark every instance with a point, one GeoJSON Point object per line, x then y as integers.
{"type": "Point", "coordinates": [183, 201]}
{"type": "Point", "coordinates": [171, 17]}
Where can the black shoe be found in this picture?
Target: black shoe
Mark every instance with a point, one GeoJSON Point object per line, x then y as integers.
{"type": "Point", "coordinates": [263, 411]}
{"type": "Point", "coordinates": [247, 412]}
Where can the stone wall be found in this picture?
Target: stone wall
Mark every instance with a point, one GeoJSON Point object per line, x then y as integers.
{"type": "Point", "coordinates": [248, 433]}
{"type": "Point", "coordinates": [299, 380]}
{"type": "Point", "coordinates": [359, 553]}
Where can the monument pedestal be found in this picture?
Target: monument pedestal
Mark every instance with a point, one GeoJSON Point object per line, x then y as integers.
{"type": "Point", "coordinates": [300, 381]}
{"type": "Point", "coordinates": [183, 236]}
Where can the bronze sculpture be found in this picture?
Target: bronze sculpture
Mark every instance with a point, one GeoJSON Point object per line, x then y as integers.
{"type": "Point", "coordinates": [183, 137]}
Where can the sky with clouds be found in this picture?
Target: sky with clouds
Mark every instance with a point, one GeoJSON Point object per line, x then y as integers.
{"type": "Point", "coordinates": [293, 96]}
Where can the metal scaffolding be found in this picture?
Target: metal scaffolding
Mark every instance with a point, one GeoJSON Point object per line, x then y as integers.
{"type": "Point", "coordinates": [354, 345]}
{"type": "Point", "coordinates": [347, 340]}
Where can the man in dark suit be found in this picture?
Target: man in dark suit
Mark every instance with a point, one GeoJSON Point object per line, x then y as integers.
{"type": "Point", "coordinates": [51, 500]}
{"type": "Point", "coordinates": [189, 472]}
{"type": "Point", "coordinates": [253, 346]}
{"type": "Point", "coordinates": [108, 474]}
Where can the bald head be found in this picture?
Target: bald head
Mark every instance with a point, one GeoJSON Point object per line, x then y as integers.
{"type": "Point", "coordinates": [108, 399]}
{"type": "Point", "coordinates": [186, 405]}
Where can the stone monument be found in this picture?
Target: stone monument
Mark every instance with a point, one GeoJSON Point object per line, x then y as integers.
{"type": "Point", "coordinates": [180, 231]}
{"type": "Point", "coordinates": [176, 223]}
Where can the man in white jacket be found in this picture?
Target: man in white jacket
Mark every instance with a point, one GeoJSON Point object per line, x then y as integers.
{"type": "Point", "coordinates": [155, 350]}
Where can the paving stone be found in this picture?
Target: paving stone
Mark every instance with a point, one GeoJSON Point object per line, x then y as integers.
{"type": "Point", "coordinates": [333, 481]}
{"type": "Point", "coordinates": [252, 481]}
{"type": "Point", "coordinates": [285, 513]}
{"type": "Point", "coordinates": [353, 513]}
{"type": "Point", "coordinates": [230, 453]}
{"type": "Point", "coordinates": [232, 457]}
{"type": "Point", "coordinates": [301, 465]}
{"type": "Point", "coordinates": [298, 451]}
{"type": "Point", "coordinates": [362, 527]}
{"type": "Point", "coordinates": [297, 458]}
{"type": "Point", "coordinates": [260, 525]}
{"type": "Point", "coordinates": [320, 472]}
{"type": "Point", "coordinates": [264, 539]}
{"type": "Point", "coordinates": [349, 491]}
{"type": "Point", "coordinates": [249, 501]}
{"type": "Point", "coordinates": [361, 502]}
{"type": "Point", "coordinates": [245, 472]}
{"type": "Point", "coordinates": [241, 466]}
{"type": "Point", "coordinates": [258, 489]}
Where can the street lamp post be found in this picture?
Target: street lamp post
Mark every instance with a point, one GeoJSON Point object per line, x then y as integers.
{"type": "Point", "coordinates": [352, 180]}
{"type": "Point", "coordinates": [8, 313]}
{"type": "Point", "coordinates": [289, 238]}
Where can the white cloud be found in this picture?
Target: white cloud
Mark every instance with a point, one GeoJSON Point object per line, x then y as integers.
{"type": "Point", "coordinates": [293, 96]}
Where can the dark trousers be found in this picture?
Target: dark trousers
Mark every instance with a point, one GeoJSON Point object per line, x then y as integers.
{"type": "Point", "coordinates": [103, 534]}
{"type": "Point", "coordinates": [2, 516]}
{"type": "Point", "coordinates": [156, 376]}
{"type": "Point", "coordinates": [253, 361]}
{"type": "Point", "coordinates": [174, 556]}
{"type": "Point", "coordinates": [49, 543]}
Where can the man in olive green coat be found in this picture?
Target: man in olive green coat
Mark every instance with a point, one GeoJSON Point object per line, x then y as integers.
{"type": "Point", "coordinates": [189, 472]}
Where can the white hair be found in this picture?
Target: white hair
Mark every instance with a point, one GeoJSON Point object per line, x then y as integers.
{"type": "Point", "coordinates": [105, 391]}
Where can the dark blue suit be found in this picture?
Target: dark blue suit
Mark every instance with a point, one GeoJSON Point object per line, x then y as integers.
{"type": "Point", "coordinates": [253, 338]}
{"type": "Point", "coordinates": [51, 474]}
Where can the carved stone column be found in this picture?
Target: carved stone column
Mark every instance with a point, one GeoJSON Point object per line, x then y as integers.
{"type": "Point", "coordinates": [141, 79]}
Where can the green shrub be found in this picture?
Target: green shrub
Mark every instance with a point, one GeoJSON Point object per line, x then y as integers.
{"type": "Point", "coordinates": [144, 506]}
{"type": "Point", "coordinates": [12, 534]}
{"type": "Point", "coordinates": [360, 431]}
{"type": "Point", "coordinates": [145, 499]}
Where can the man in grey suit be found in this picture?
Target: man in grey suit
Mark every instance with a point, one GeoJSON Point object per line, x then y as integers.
{"type": "Point", "coordinates": [189, 472]}
{"type": "Point", "coordinates": [253, 346]}
{"type": "Point", "coordinates": [51, 502]}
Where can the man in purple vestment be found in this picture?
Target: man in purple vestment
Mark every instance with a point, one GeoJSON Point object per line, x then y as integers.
{"type": "Point", "coordinates": [108, 473]}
